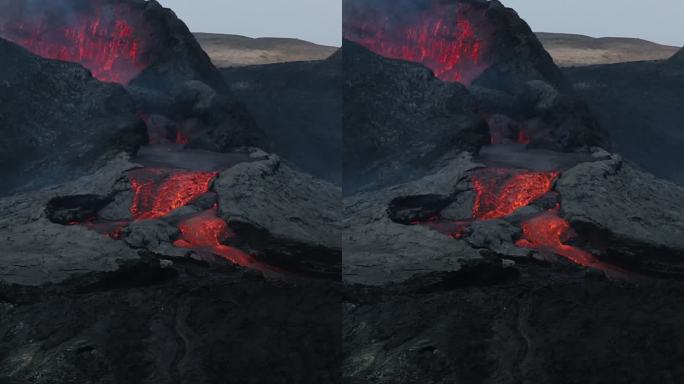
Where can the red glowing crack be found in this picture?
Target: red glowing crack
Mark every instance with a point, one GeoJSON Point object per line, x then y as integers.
{"type": "Point", "coordinates": [207, 232]}
{"type": "Point", "coordinates": [500, 193]}
{"type": "Point", "coordinates": [548, 233]}
{"type": "Point", "coordinates": [108, 39]}
{"type": "Point", "coordinates": [445, 38]}
{"type": "Point", "coordinates": [158, 192]}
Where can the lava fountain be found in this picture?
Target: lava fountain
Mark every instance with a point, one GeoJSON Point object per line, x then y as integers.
{"type": "Point", "coordinates": [450, 39]}
{"type": "Point", "coordinates": [108, 38]}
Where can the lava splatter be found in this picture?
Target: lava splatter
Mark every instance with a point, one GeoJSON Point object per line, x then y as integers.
{"type": "Point", "coordinates": [108, 39]}
{"type": "Point", "coordinates": [450, 39]}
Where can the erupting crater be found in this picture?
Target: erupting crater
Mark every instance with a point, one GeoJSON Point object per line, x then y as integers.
{"type": "Point", "coordinates": [110, 39]}
{"type": "Point", "coordinates": [450, 39]}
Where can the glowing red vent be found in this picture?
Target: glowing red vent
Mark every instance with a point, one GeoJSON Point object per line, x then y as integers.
{"type": "Point", "coordinates": [450, 39]}
{"type": "Point", "coordinates": [108, 39]}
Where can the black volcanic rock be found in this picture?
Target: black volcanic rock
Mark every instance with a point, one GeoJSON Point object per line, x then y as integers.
{"type": "Point", "coordinates": [162, 321]}
{"type": "Point", "coordinates": [481, 326]}
{"type": "Point", "coordinates": [58, 122]}
{"type": "Point", "coordinates": [211, 120]}
{"type": "Point", "coordinates": [399, 119]}
{"type": "Point", "coordinates": [627, 216]}
{"type": "Point", "coordinates": [492, 50]}
{"type": "Point", "coordinates": [550, 113]}
{"type": "Point", "coordinates": [178, 55]}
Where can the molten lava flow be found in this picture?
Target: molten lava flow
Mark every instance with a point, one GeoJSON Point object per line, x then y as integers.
{"type": "Point", "coordinates": [205, 232]}
{"type": "Point", "coordinates": [108, 39]}
{"type": "Point", "coordinates": [450, 39]}
{"type": "Point", "coordinates": [157, 192]}
{"type": "Point", "coordinates": [500, 193]}
{"type": "Point", "coordinates": [548, 233]}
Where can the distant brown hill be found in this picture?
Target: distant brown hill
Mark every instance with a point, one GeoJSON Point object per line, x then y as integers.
{"type": "Point", "coordinates": [570, 50]}
{"type": "Point", "coordinates": [235, 50]}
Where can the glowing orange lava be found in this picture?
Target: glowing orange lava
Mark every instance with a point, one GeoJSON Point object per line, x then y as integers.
{"type": "Point", "coordinates": [549, 233]}
{"type": "Point", "coordinates": [108, 39]}
{"type": "Point", "coordinates": [157, 192]}
{"type": "Point", "coordinates": [205, 232]}
{"type": "Point", "coordinates": [444, 37]}
{"type": "Point", "coordinates": [500, 192]}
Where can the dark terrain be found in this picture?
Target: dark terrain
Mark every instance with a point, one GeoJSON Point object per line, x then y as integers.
{"type": "Point", "coordinates": [534, 323]}
{"type": "Point", "coordinates": [299, 107]}
{"type": "Point", "coordinates": [145, 238]}
{"type": "Point", "coordinates": [640, 105]}
{"type": "Point", "coordinates": [181, 322]}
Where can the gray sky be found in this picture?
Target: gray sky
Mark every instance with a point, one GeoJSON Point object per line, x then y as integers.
{"type": "Point", "coordinates": [318, 21]}
{"type": "Point", "coordinates": [654, 20]}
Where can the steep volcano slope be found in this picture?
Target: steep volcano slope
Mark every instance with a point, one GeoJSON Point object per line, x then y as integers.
{"type": "Point", "coordinates": [146, 47]}
{"type": "Point", "coordinates": [399, 119]}
{"type": "Point", "coordinates": [640, 105]}
{"type": "Point", "coordinates": [57, 122]}
{"type": "Point", "coordinates": [484, 49]}
{"type": "Point", "coordinates": [299, 107]}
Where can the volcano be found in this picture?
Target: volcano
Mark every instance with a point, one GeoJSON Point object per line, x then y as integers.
{"type": "Point", "coordinates": [110, 39]}
{"type": "Point", "coordinates": [452, 39]}
{"type": "Point", "coordinates": [126, 42]}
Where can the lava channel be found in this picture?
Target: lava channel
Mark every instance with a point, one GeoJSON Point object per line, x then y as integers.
{"type": "Point", "coordinates": [158, 192]}
{"type": "Point", "coordinates": [206, 232]}
{"type": "Point", "coordinates": [500, 192]}
{"type": "Point", "coordinates": [110, 39]}
{"type": "Point", "coordinates": [450, 39]}
{"type": "Point", "coordinates": [548, 233]}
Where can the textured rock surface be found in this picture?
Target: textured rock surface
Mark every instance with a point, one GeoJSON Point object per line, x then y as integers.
{"type": "Point", "coordinates": [378, 250]}
{"type": "Point", "coordinates": [36, 251]}
{"type": "Point", "coordinates": [399, 119]}
{"type": "Point", "coordinates": [211, 121]}
{"type": "Point", "coordinates": [490, 327]}
{"type": "Point", "coordinates": [628, 215]}
{"type": "Point", "coordinates": [157, 322]}
{"type": "Point", "coordinates": [57, 122]}
{"type": "Point", "coordinates": [512, 72]}
{"type": "Point", "coordinates": [270, 195]}
{"type": "Point", "coordinates": [178, 55]}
